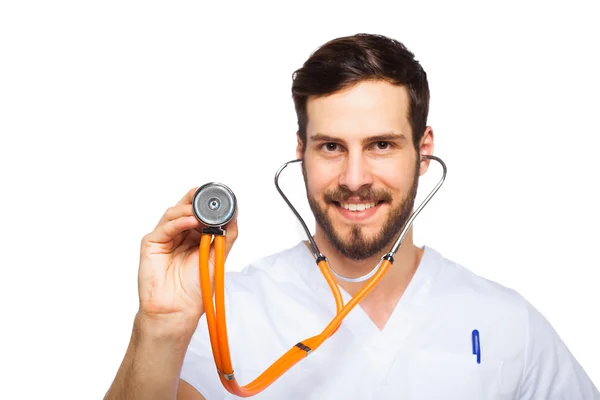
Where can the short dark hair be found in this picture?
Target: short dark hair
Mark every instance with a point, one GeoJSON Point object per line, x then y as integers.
{"type": "Point", "coordinates": [346, 61]}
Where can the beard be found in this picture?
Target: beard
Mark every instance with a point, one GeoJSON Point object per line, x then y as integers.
{"type": "Point", "coordinates": [356, 245]}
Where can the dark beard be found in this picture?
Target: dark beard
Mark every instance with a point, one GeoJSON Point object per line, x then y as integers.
{"type": "Point", "coordinates": [356, 246]}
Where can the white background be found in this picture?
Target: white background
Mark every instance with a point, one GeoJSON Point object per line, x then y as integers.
{"type": "Point", "coordinates": [110, 111]}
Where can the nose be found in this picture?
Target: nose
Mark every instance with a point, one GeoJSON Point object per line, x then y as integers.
{"type": "Point", "coordinates": [356, 173]}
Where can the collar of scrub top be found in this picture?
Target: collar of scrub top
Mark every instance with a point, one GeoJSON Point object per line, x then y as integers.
{"type": "Point", "coordinates": [215, 312]}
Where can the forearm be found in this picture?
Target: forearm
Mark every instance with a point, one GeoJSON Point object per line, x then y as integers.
{"type": "Point", "coordinates": [153, 361]}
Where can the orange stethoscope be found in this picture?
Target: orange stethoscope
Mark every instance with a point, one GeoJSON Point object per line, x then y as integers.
{"type": "Point", "coordinates": [214, 204]}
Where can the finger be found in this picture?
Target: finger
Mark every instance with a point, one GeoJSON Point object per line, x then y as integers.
{"type": "Point", "coordinates": [189, 196]}
{"type": "Point", "coordinates": [192, 238]}
{"type": "Point", "coordinates": [232, 232]}
{"type": "Point", "coordinates": [176, 212]}
{"type": "Point", "coordinates": [166, 232]}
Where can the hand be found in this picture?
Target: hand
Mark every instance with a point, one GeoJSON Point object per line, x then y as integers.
{"type": "Point", "coordinates": [168, 279]}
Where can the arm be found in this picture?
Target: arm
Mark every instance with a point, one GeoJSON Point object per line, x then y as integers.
{"type": "Point", "coordinates": [170, 307]}
{"type": "Point", "coordinates": [187, 392]}
{"type": "Point", "coordinates": [152, 363]}
{"type": "Point", "coordinates": [550, 370]}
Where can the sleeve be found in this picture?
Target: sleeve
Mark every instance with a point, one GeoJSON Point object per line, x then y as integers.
{"type": "Point", "coordinates": [199, 369]}
{"type": "Point", "coordinates": [550, 370]}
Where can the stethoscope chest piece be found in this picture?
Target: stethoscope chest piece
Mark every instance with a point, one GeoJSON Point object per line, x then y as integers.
{"type": "Point", "coordinates": [214, 204]}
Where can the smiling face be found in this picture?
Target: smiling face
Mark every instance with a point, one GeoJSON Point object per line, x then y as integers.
{"type": "Point", "coordinates": [360, 166]}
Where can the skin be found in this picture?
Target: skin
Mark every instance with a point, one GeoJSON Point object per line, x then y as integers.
{"type": "Point", "coordinates": [170, 307]}
{"type": "Point", "coordinates": [168, 283]}
{"type": "Point", "coordinates": [344, 148]}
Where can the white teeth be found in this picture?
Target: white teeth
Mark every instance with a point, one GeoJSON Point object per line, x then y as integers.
{"type": "Point", "coordinates": [357, 207]}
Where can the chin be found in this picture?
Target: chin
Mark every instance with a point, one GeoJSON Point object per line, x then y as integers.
{"type": "Point", "coordinates": [367, 235]}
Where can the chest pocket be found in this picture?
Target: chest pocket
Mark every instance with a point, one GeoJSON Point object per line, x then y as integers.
{"type": "Point", "coordinates": [425, 374]}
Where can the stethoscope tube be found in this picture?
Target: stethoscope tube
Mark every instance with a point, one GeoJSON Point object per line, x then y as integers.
{"type": "Point", "coordinates": [215, 311]}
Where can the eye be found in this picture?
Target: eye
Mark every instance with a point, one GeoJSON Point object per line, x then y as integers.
{"type": "Point", "coordinates": [330, 146]}
{"type": "Point", "coordinates": [383, 145]}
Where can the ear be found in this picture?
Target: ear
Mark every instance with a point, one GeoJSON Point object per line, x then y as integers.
{"type": "Point", "coordinates": [426, 148]}
{"type": "Point", "coordinates": [299, 147]}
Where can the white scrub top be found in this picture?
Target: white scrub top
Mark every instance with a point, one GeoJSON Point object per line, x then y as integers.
{"type": "Point", "coordinates": [453, 335]}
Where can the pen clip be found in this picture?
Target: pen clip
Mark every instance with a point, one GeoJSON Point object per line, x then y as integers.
{"type": "Point", "coordinates": [476, 345]}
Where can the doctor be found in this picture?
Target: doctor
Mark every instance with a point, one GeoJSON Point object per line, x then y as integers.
{"type": "Point", "coordinates": [430, 329]}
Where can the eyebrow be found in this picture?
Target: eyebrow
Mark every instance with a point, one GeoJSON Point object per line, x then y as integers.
{"type": "Point", "coordinates": [383, 137]}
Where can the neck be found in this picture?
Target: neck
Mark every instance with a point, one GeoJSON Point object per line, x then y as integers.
{"type": "Point", "coordinates": [391, 286]}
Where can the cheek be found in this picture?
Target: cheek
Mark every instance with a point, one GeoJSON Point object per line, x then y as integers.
{"type": "Point", "coordinates": [395, 176]}
{"type": "Point", "coordinates": [320, 178]}
{"type": "Point", "coordinates": [317, 182]}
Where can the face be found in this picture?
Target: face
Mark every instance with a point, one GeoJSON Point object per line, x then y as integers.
{"type": "Point", "coordinates": [360, 167]}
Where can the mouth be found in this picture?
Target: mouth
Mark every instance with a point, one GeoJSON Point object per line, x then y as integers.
{"type": "Point", "coordinates": [357, 206]}
{"type": "Point", "coordinates": [358, 211]}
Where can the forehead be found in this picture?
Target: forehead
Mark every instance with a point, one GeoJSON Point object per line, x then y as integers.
{"type": "Point", "coordinates": [367, 108]}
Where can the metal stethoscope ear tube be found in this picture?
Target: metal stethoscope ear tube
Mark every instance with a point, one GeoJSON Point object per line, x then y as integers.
{"type": "Point", "coordinates": [214, 205]}
{"type": "Point", "coordinates": [397, 244]}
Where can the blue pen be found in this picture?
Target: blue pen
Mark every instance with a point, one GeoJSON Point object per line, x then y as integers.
{"type": "Point", "coordinates": [476, 345]}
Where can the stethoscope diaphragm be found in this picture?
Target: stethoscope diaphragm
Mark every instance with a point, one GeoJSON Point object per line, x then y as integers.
{"type": "Point", "coordinates": [214, 204]}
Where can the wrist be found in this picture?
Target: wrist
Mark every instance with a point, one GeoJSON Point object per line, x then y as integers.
{"type": "Point", "coordinates": [170, 329]}
{"type": "Point", "coordinates": [152, 365]}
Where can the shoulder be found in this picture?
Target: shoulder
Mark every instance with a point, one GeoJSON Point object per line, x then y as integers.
{"type": "Point", "coordinates": [500, 304]}
{"type": "Point", "coordinates": [456, 281]}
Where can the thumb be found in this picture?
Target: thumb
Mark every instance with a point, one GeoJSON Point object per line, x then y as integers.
{"type": "Point", "coordinates": [232, 232]}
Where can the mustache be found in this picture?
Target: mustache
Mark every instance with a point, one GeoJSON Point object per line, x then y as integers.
{"type": "Point", "coordinates": [342, 194]}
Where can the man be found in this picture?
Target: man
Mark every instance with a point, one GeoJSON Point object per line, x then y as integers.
{"type": "Point", "coordinates": [430, 329]}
